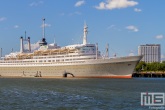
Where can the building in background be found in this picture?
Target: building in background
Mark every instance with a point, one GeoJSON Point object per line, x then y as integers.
{"type": "Point", "coordinates": [150, 52]}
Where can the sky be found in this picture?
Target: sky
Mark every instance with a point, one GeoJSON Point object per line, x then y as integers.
{"type": "Point", "coordinates": [123, 24]}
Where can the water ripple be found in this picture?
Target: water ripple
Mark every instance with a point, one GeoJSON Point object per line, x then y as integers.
{"type": "Point", "coordinates": [98, 94]}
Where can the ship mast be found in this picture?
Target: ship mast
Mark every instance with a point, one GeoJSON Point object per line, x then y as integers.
{"type": "Point", "coordinates": [85, 34]}
{"type": "Point", "coordinates": [43, 41]}
{"type": "Point", "coordinates": [43, 25]}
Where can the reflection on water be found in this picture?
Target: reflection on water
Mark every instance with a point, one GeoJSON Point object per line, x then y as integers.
{"type": "Point", "coordinates": [73, 93]}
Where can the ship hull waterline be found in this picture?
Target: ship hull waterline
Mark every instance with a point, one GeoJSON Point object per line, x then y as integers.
{"type": "Point", "coordinates": [103, 68]}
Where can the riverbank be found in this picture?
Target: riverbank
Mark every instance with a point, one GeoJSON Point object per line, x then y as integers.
{"type": "Point", "coordinates": [149, 74]}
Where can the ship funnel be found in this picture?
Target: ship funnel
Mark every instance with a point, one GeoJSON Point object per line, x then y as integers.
{"type": "Point", "coordinates": [29, 45]}
{"type": "Point", "coordinates": [22, 50]}
{"type": "Point", "coordinates": [85, 34]}
{"type": "Point", "coordinates": [21, 45]}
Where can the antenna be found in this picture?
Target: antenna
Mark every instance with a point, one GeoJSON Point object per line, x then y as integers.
{"type": "Point", "coordinates": [1, 52]}
{"type": "Point", "coordinates": [115, 55]}
{"type": "Point", "coordinates": [107, 50]}
{"type": "Point", "coordinates": [25, 35]}
{"type": "Point", "coordinates": [96, 50]}
{"type": "Point", "coordinates": [54, 39]}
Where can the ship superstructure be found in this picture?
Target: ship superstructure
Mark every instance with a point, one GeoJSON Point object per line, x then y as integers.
{"type": "Point", "coordinates": [51, 60]}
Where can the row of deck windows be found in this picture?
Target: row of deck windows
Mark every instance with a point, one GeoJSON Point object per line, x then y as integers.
{"type": "Point", "coordinates": [51, 60]}
{"type": "Point", "coordinates": [43, 61]}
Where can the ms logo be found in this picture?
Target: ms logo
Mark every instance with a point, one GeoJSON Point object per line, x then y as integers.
{"type": "Point", "coordinates": [152, 99]}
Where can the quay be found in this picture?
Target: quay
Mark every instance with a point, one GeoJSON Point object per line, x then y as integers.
{"type": "Point", "coordinates": [149, 74]}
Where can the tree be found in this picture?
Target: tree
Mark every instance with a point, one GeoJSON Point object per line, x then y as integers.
{"type": "Point", "coordinates": [155, 66]}
{"type": "Point", "coordinates": [141, 66]}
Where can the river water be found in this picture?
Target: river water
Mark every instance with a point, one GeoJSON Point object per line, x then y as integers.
{"type": "Point", "coordinates": [75, 93]}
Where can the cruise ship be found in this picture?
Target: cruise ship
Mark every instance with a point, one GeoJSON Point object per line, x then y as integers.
{"type": "Point", "coordinates": [78, 60]}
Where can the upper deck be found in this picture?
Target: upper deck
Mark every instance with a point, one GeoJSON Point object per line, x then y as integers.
{"type": "Point", "coordinates": [53, 52]}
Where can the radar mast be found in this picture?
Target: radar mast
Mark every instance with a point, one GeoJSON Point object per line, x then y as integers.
{"type": "Point", "coordinates": [43, 41]}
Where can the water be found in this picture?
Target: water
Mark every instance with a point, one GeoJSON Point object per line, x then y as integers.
{"type": "Point", "coordinates": [73, 93]}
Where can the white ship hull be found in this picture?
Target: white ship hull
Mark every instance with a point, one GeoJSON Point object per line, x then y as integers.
{"type": "Point", "coordinates": [113, 68]}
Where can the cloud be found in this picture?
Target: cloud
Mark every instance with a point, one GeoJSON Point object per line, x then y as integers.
{"type": "Point", "coordinates": [163, 57]}
{"type": "Point", "coordinates": [79, 3]}
{"type": "Point", "coordinates": [46, 25]}
{"type": "Point", "coordinates": [75, 13]}
{"type": "Point", "coordinates": [132, 28]}
{"type": "Point", "coordinates": [36, 3]}
{"type": "Point", "coordinates": [131, 54]}
{"type": "Point", "coordinates": [115, 4]}
{"type": "Point", "coordinates": [137, 10]}
{"type": "Point", "coordinates": [62, 14]}
{"type": "Point", "coordinates": [2, 18]}
{"type": "Point", "coordinates": [159, 37]}
{"type": "Point", "coordinates": [16, 26]}
{"type": "Point", "coordinates": [111, 27]}
{"type": "Point", "coordinates": [71, 14]}
{"type": "Point", "coordinates": [34, 46]}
